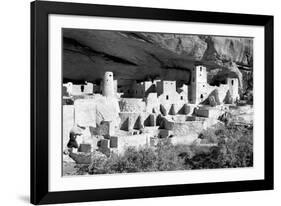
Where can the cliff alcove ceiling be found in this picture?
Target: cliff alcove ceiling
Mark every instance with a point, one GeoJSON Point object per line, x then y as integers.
{"type": "Point", "coordinates": [87, 54]}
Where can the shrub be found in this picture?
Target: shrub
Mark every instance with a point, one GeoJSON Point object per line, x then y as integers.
{"type": "Point", "coordinates": [167, 156]}
{"type": "Point", "coordinates": [211, 134]}
{"type": "Point", "coordinates": [234, 149]}
{"type": "Point", "coordinates": [164, 157]}
{"type": "Point", "coordinates": [98, 164]}
{"type": "Point", "coordinates": [237, 149]}
{"type": "Point", "coordinates": [140, 160]}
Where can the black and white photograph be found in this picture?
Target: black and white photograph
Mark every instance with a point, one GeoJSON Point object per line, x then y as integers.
{"type": "Point", "coordinates": [134, 103]}
{"type": "Point", "coordinates": [154, 102]}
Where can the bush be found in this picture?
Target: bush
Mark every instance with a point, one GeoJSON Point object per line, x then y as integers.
{"type": "Point", "coordinates": [164, 157]}
{"type": "Point", "coordinates": [237, 149]}
{"type": "Point", "coordinates": [168, 158]}
{"type": "Point", "coordinates": [140, 160]}
{"type": "Point", "coordinates": [212, 134]}
{"type": "Point", "coordinates": [234, 149]}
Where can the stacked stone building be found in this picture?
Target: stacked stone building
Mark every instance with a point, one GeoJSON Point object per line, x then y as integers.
{"type": "Point", "coordinates": [134, 115]}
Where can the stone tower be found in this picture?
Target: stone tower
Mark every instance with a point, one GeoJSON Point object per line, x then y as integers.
{"type": "Point", "coordinates": [198, 86]}
{"type": "Point", "coordinates": [233, 85]}
{"type": "Point", "coordinates": [108, 85]}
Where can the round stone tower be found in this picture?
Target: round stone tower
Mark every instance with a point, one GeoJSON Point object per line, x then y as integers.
{"type": "Point", "coordinates": [108, 85]}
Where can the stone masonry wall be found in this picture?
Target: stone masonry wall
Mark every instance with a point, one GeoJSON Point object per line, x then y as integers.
{"type": "Point", "coordinates": [184, 128]}
{"type": "Point", "coordinates": [134, 120]}
{"type": "Point", "coordinates": [132, 141]}
{"type": "Point", "coordinates": [85, 112]}
{"type": "Point", "coordinates": [131, 105]}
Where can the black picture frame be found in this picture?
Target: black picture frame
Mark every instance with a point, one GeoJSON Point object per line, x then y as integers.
{"type": "Point", "coordinates": [39, 102]}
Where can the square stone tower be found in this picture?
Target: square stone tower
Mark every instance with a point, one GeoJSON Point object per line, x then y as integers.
{"type": "Point", "coordinates": [198, 85]}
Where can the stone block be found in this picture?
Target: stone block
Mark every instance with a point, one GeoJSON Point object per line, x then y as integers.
{"type": "Point", "coordinates": [104, 143]}
{"type": "Point", "coordinates": [106, 128]}
{"type": "Point", "coordinates": [201, 112]}
{"type": "Point", "coordinates": [208, 112]}
{"type": "Point", "coordinates": [104, 146]}
{"type": "Point", "coordinates": [84, 148]}
{"type": "Point", "coordinates": [113, 142]}
{"type": "Point", "coordinates": [164, 133]}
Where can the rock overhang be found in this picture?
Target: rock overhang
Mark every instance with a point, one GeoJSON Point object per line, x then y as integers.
{"type": "Point", "coordinates": [87, 54]}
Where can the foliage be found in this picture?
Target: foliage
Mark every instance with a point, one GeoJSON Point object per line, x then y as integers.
{"type": "Point", "coordinates": [234, 149]}
{"type": "Point", "coordinates": [168, 158]}
{"type": "Point", "coordinates": [226, 118]}
{"type": "Point", "coordinates": [164, 157]}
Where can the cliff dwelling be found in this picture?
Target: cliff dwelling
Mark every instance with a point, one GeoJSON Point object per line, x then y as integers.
{"type": "Point", "coordinates": [170, 98]}
{"type": "Point", "coordinates": [135, 114]}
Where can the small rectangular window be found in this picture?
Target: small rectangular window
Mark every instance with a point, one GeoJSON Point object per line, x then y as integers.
{"type": "Point", "coordinates": [181, 97]}
{"type": "Point", "coordinates": [167, 97]}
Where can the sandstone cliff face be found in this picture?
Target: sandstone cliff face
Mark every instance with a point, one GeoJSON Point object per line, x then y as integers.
{"type": "Point", "coordinates": [191, 45]}
{"type": "Point", "coordinates": [131, 55]}
{"type": "Point", "coordinates": [207, 48]}
{"type": "Point", "coordinates": [227, 49]}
